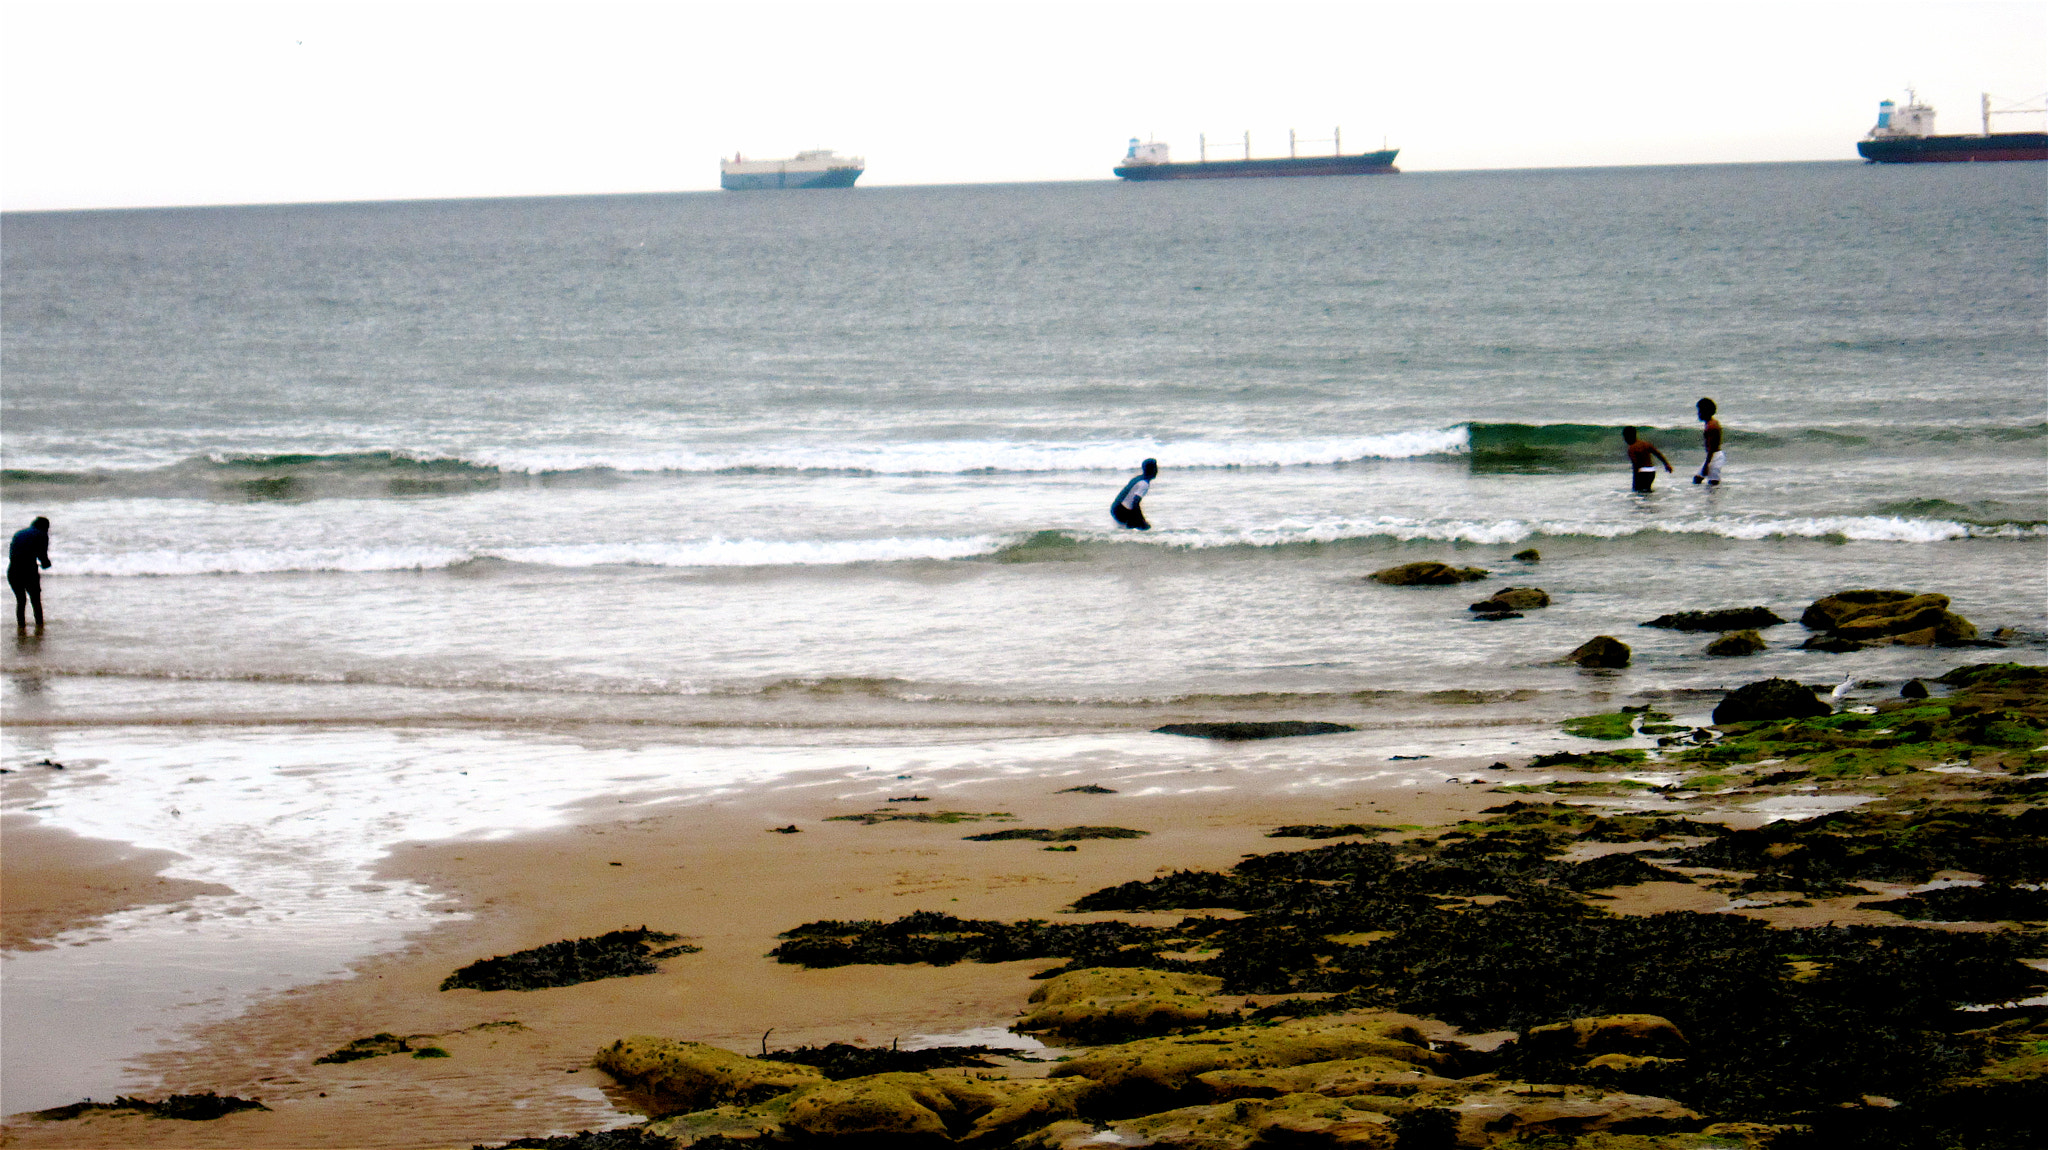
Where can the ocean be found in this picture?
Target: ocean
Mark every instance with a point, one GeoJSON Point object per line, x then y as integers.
{"type": "Point", "coordinates": [760, 480]}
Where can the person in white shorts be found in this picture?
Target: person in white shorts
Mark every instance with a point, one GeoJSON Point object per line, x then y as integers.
{"type": "Point", "coordinates": [1710, 471]}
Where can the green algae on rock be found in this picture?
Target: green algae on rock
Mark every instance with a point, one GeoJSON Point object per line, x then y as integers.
{"type": "Point", "coordinates": [617, 954]}
{"type": "Point", "coordinates": [1109, 1004]}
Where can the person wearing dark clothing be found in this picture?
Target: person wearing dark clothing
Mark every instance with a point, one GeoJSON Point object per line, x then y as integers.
{"type": "Point", "coordinates": [1126, 509]}
{"type": "Point", "coordinates": [27, 555]}
{"type": "Point", "coordinates": [1640, 452]}
{"type": "Point", "coordinates": [1710, 437]}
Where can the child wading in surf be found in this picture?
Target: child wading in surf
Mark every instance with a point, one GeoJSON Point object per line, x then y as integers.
{"type": "Point", "coordinates": [1710, 471]}
{"type": "Point", "coordinates": [1641, 470]}
{"type": "Point", "coordinates": [1126, 509]}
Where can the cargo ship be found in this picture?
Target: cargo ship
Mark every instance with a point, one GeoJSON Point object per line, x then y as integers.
{"type": "Point", "coordinates": [819, 168]}
{"type": "Point", "coordinates": [1905, 135]}
{"type": "Point", "coordinates": [1151, 161]}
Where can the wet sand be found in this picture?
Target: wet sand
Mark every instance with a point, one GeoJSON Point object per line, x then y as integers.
{"type": "Point", "coordinates": [712, 872]}
{"type": "Point", "coordinates": [52, 880]}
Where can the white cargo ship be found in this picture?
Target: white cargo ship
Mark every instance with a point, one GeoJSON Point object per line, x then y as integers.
{"type": "Point", "coordinates": [818, 168]}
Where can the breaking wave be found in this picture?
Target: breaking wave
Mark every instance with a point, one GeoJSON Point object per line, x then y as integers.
{"type": "Point", "coordinates": [1035, 547]}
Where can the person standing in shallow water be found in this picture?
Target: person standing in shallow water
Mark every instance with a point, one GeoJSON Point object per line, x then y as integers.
{"type": "Point", "coordinates": [1710, 471]}
{"type": "Point", "coordinates": [27, 555]}
{"type": "Point", "coordinates": [1127, 508]}
{"type": "Point", "coordinates": [1641, 471]}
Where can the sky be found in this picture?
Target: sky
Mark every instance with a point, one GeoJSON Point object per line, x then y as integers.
{"type": "Point", "coordinates": [171, 102]}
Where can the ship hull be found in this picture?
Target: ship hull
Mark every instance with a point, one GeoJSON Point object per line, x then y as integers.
{"type": "Point", "coordinates": [1956, 149]}
{"type": "Point", "coordinates": [1366, 164]}
{"type": "Point", "coordinates": [770, 181]}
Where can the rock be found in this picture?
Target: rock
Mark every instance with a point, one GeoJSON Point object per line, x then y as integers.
{"type": "Point", "coordinates": [1627, 1034]}
{"type": "Point", "coordinates": [1750, 1135]}
{"type": "Point", "coordinates": [1832, 644]}
{"type": "Point", "coordinates": [1339, 1078]}
{"type": "Point", "coordinates": [1737, 643]}
{"type": "Point", "coordinates": [1600, 651]}
{"type": "Point", "coordinates": [1529, 556]}
{"type": "Point", "coordinates": [1426, 574]}
{"type": "Point", "coordinates": [1152, 1073]}
{"type": "Point", "coordinates": [1770, 699]}
{"type": "Point", "coordinates": [1831, 611]}
{"type": "Point", "coordinates": [1110, 1004]}
{"type": "Point", "coordinates": [1914, 689]}
{"type": "Point", "coordinates": [1903, 617]}
{"type": "Point", "coordinates": [685, 1076]}
{"type": "Point", "coordinates": [907, 1110]}
{"type": "Point", "coordinates": [1257, 1124]}
{"type": "Point", "coordinates": [1275, 730]}
{"type": "Point", "coordinates": [1724, 619]}
{"type": "Point", "coordinates": [1515, 1111]}
{"type": "Point", "coordinates": [1513, 599]}
{"type": "Point", "coordinates": [1497, 616]}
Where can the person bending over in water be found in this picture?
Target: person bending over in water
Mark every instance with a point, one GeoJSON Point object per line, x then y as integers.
{"type": "Point", "coordinates": [1710, 471]}
{"type": "Point", "coordinates": [26, 556]}
{"type": "Point", "coordinates": [1127, 510]}
{"type": "Point", "coordinates": [1639, 453]}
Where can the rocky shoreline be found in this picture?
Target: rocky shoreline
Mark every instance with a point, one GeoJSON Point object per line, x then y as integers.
{"type": "Point", "coordinates": [1533, 973]}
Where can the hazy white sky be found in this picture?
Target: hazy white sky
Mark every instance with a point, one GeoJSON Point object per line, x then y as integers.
{"type": "Point", "coordinates": [123, 104]}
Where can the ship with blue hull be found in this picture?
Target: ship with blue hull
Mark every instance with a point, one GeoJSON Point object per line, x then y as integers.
{"type": "Point", "coordinates": [1905, 135]}
{"type": "Point", "coordinates": [818, 168]}
{"type": "Point", "coordinates": [1152, 160]}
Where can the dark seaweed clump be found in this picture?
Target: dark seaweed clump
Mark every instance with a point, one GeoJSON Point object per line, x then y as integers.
{"type": "Point", "coordinates": [566, 963]}
{"type": "Point", "coordinates": [942, 940]}
{"type": "Point", "coordinates": [840, 1060]}
{"type": "Point", "coordinates": [380, 1044]}
{"type": "Point", "coordinates": [1590, 760]}
{"type": "Point", "coordinates": [204, 1107]}
{"type": "Point", "coordinates": [1327, 831]}
{"type": "Point", "coordinates": [1998, 902]}
{"type": "Point", "coordinates": [1825, 855]}
{"type": "Point", "coordinates": [1283, 729]}
{"type": "Point", "coordinates": [629, 1138]}
{"type": "Point", "coordinates": [1089, 789]}
{"type": "Point", "coordinates": [1063, 835]}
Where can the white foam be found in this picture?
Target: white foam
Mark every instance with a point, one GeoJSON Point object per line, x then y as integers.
{"type": "Point", "coordinates": [959, 457]}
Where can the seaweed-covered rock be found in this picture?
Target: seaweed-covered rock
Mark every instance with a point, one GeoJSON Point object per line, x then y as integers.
{"type": "Point", "coordinates": [1153, 1073]}
{"type": "Point", "coordinates": [1283, 729]}
{"type": "Point", "coordinates": [1513, 1112]}
{"type": "Point", "coordinates": [685, 1076]}
{"type": "Point", "coordinates": [1512, 599]}
{"type": "Point", "coordinates": [907, 1110]}
{"type": "Point", "coordinates": [1723, 619]}
{"type": "Point", "coordinates": [1770, 699]}
{"type": "Point", "coordinates": [1999, 902]}
{"type": "Point", "coordinates": [1530, 555]}
{"type": "Point", "coordinates": [566, 963]}
{"type": "Point", "coordinates": [1338, 1078]}
{"type": "Point", "coordinates": [1600, 651]}
{"type": "Point", "coordinates": [1426, 574]}
{"type": "Point", "coordinates": [1632, 1034]}
{"type": "Point", "coordinates": [840, 1060]}
{"type": "Point", "coordinates": [1874, 617]}
{"type": "Point", "coordinates": [1103, 1004]}
{"type": "Point", "coordinates": [1735, 643]}
{"type": "Point", "coordinates": [1255, 1124]}
{"type": "Point", "coordinates": [628, 1138]}
{"type": "Point", "coordinates": [1327, 830]}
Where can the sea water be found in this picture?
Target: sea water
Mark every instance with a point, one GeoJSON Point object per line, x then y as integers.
{"type": "Point", "coordinates": [764, 477]}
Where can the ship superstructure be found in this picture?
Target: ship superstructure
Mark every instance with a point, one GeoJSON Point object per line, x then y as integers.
{"type": "Point", "coordinates": [1904, 134]}
{"type": "Point", "coordinates": [1152, 160]}
{"type": "Point", "coordinates": [818, 168]}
